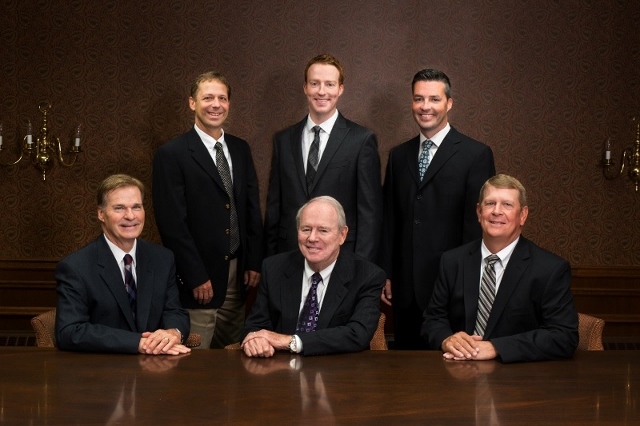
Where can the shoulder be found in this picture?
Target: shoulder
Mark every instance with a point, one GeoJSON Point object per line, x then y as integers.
{"type": "Point", "coordinates": [155, 249]}
{"type": "Point", "coordinates": [540, 255]}
{"type": "Point", "coordinates": [294, 128]}
{"type": "Point", "coordinates": [361, 266]}
{"type": "Point", "coordinates": [353, 126]}
{"type": "Point", "coordinates": [406, 145]}
{"type": "Point", "coordinates": [177, 143]}
{"type": "Point", "coordinates": [458, 253]}
{"type": "Point", "coordinates": [467, 141]}
{"type": "Point", "coordinates": [277, 261]}
{"type": "Point", "coordinates": [231, 139]}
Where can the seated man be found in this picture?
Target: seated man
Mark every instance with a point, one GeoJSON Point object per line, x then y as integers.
{"type": "Point", "coordinates": [532, 317]}
{"type": "Point", "coordinates": [319, 299]}
{"type": "Point", "coordinates": [118, 293]}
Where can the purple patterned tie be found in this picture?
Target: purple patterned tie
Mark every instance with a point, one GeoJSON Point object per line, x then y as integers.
{"type": "Point", "coordinates": [130, 283]}
{"type": "Point", "coordinates": [308, 319]}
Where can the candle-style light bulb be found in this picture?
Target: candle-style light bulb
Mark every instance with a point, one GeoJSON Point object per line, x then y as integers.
{"type": "Point", "coordinates": [607, 149]}
{"type": "Point", "coordinates": [29, 133]}
{"type": "Point", "coordinates": [0, 135]}
{"type": "Point", "coordinates": [77, 136]}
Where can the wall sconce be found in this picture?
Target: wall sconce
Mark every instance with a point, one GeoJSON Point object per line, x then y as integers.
{"type": "Point", "coordinates": [630, 158]}
{"type": "Point", "coordinates": [45, 148]}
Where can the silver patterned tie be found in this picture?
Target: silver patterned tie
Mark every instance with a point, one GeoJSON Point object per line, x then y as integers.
{"type": "Point", "coordinates": [487, 294]}
{"type": "Point", "coordinates": [225, 175]}
{"type": "Point", "coordinates": [425, 158]}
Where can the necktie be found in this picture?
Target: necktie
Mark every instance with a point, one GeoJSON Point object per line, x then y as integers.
{"type": "Point", "coordinates": [487, 294]}
{"type": "Point", "coordinates": [425, 158]}
{"type": "Point", "coordinates": [308, 319]}
{"type": "Point", "coordinates": [312, 161]}
{"type": "Point", "coordinates": [130, 283]}
{"type": "Point", "coordinates": [225, 174]}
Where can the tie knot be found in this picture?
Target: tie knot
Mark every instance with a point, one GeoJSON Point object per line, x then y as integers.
{"type": "Point", "coordinates": [316, 130]}
{"type": "Point", "coordinates": [427, 144]}
{"type": "Point", "coordinates": [218, 146]}
{"type": "Point", "coordinates": [491, 260]}
{"type": "Point", "coordinates": [128, 259]}
{"type": "Point", "coordinates": [315, 279]}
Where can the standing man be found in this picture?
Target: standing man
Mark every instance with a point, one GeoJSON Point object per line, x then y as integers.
{"type": "Point", "coordinates": [430, 192]}
{"type": "Point", "coordinates": [118, 293]}
{"type": "Point", "coordinates": [205, 196]}
{"type": "Point", "coordinates": [317, 299]}
{"type": "Point", "coordinates": [325, 154]}
{"type": "Point", "coordinates": [502, 297]}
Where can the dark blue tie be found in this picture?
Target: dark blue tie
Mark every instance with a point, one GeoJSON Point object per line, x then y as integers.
{"type": "Point", "coordinates": [308, 319]}
{"type": "Point", "coordinates": [130, 283]}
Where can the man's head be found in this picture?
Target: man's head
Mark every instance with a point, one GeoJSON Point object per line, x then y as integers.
{"type": "Point", "coordinates": [322, 229]}
{"type": "Point", "coordinates": [210, 97]}
{"type": "Point", "coordinates": [502, 211]}
{"type": "Point", "coordinates": [120, 209]}
{"type": "Point", "coordinates": [431, 100]}
{"type": "Point", "coordinates": [323, 85]}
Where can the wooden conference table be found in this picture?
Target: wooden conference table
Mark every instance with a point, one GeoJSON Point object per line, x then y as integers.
{"type": "Point", "coordinates": [45, 386]}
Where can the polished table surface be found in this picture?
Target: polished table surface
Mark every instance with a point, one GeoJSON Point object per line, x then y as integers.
{"type": "Point", "coordinates": [48, 387]}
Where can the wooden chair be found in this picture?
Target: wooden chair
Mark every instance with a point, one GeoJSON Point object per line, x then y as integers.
{"type": "Point", "coordinates": [590, 332]}
{"type": "Point", "coordinates": [378, 343]}
{"type": "Point", "coordinates": [44, 325]}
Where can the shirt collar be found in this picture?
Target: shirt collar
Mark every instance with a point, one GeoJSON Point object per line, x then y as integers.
{"type": "Point", "coordinates": [208, 140]}
{"type": "Point", "coordinates": [504, 254]}
{"type": "Point", "coordinates": [326, 126]}
{"type": "Point", "coordinates": [325, 273]}
{"type": "Point", "coordinates": [118, 253]}
{"type": "Point", "coordinates": [438, 137]}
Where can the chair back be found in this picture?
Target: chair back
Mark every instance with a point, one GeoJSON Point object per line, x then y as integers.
{"type": "Point", "coordinates": [590, 332]}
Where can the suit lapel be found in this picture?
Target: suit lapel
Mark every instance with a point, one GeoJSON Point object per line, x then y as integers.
{"type": "Point", "coordinates": [471, 282]}
{"type": "Point", "coordinates": [336, 291]}
{"type": "Point", "coordinates": [291, 293]}
{"type": "Point", "coordinates": [411, 159]}
{"type": "Point", "coordinates": [515, 268]}
{"type": "Point", "coordinates": [295, 143]}
{"type": "Point", "coordinates": [112, 278]}
{"type": "Point", "coordinates": [448, 148]}
{"type": "Point", "coordinates": [202, 157]}
{"type": "Point", "coordinates": [337, 136]}
{"type": "Point", "coordinates": [144, 282]}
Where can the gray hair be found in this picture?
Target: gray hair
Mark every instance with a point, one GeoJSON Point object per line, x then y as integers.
{"type": "Point", "coordinates": [342, 218]}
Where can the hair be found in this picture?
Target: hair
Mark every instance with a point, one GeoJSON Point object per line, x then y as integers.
{"type": "Point", "coordinates": [429, 74]}
{"type": "Point", "coordinates": [208, 76]}
{"type": "Point", "coordinates": [507, 182]}
{"type": "Point", "coordinates": [326, 59]}
{"type": "Point", "coordinates": [114, 182]}
{"type": "Point", "coordinates": [342, 218]}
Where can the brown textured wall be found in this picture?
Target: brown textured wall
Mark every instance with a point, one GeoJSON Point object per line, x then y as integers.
{"type": "Point", "coordinates": [541, 82]}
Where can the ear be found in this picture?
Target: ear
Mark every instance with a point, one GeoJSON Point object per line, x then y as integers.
{"type": "Point", "coordinates": [192, 103]}
{"type": "Point", "coordinates": [523, 215]}
{"type": "Point", "coordinates": [340, 90]}
{"type": "Point", "coordinates": [100, 215]}
{"type": "Point", "coordinates": [343, 234]}
{"type": "Point", "coordinates": [449, 104]}
{"type": "Point", "coordinates": [479, 212]}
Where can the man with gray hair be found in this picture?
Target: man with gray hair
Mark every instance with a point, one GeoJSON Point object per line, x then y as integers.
{"type": "Point", "coordinates": [318, 299]}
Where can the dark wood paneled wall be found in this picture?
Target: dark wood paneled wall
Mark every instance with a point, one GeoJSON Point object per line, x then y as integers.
{"type": "Point", "coordinates": [27, 288]}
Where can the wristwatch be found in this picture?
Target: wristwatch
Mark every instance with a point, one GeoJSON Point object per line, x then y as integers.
{"type": "Point", "coordinates": [293, 346]}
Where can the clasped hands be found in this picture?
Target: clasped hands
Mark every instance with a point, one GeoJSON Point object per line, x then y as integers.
{"type": "Point", "coordinates": [463, 347]}
{"type": "Point", "coordinates": [264, 343]}
{"type": "Point", "coordinates": [162, 342]}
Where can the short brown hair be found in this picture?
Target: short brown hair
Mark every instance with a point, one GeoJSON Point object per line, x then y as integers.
{"type": "Point", "coordinates": [507, 182]}
{"type": "Point", "coordinates": [208, 76]}
{"type": "Point", "coordinates": [326, 59]}
{"type": "Point", "coordinates": [114, 182]}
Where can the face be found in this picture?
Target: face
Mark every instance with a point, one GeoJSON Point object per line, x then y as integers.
{"type": "Point", "coordinates": [501, 217]}
{"type": "Point", "coordinates": [122, 216]}
{"type": "Point", "coordinates": [319, 237]}
{"type": "Point", "coordinates": [211, 106]}
{"type": "Point", "coordinates": [323, 90]}
{"type": "Point", "coordinates": [430, 106]}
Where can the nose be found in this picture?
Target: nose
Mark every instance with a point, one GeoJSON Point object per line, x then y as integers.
{"type": "Point", "coordinates": [313, 235]}
{"type": "Point", "coordinates": [128, 213]}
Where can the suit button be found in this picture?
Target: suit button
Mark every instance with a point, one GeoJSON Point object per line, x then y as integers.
{"type": "Point", "coordinates": [226, 231]}
{"type": "Point", "coordinates": [417, 222]}
{"type": "Point", "coordinates": [419, 197]}
{"type": "Point", "coordinates": [227, 206]}
{"type": "Point", "coordinates": [226, 258]}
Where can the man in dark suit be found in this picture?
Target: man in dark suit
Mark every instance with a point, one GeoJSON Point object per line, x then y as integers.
{"type": "Point", "coordinates": [216, 237]}
{"type": "Point", "coordinates": [318, 299]}
{"type": "Point", "coordinates": [430, 190]}
{"type": "Point", "coordinates": [118, 293]}
{"type": "Point", "coordinates": [521, 309]}
{"type": "Point", "coordinates": [325, 154]}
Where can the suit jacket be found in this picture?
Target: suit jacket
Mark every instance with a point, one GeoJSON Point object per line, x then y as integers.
{"type": "Point", "coordinates": [533, 316]}
{"type": "Point", "coordinates": [350, 308]}
{"type": "Point", "coordinates": [349, 171]}
{"type": "Point", "coordinates": [423, 219]}
{"type": "Point", "coordinates": [192, 212]}
{"type": "Point", "coordinates": [93, 311]}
